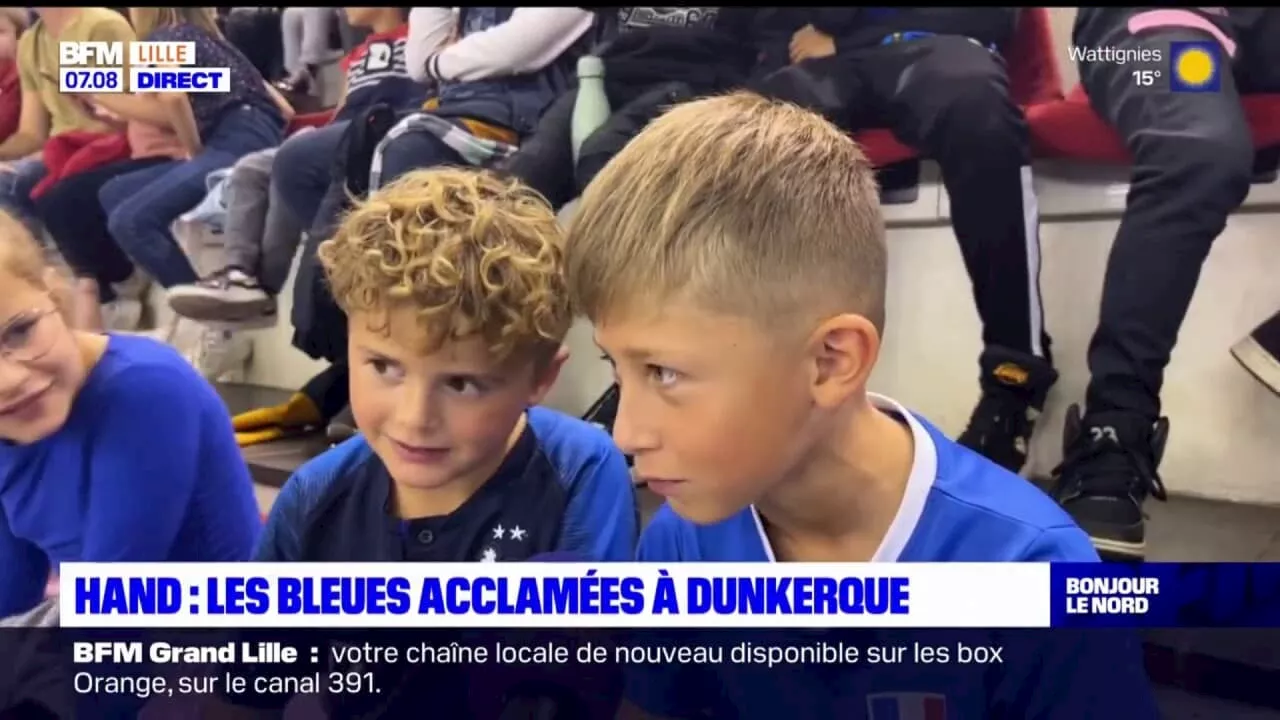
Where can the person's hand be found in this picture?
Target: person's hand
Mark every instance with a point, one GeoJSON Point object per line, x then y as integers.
{"type": "Point", "coordinates": [6, 167]}
{"type": "Point", "coordinates": [809, 43]}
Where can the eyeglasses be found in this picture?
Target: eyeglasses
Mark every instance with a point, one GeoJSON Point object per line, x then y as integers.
{"type": "Point", "coordinates": [28, 336]}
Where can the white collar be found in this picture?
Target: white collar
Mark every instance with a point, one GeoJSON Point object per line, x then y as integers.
{"type": "Point", "coordinates": [924, 467]}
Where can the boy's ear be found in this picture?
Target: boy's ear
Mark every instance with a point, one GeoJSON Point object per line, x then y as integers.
{"type": "Point", "coordinates": [844, 349]}
{"type": "Point", "coordinates": [546, 372]}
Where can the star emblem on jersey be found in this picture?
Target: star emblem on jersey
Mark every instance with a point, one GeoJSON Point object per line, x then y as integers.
{"type": "Point", "coordinates": [498, 535]}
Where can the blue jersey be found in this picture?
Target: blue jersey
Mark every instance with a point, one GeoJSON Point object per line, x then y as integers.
{"type": "Point", "coordinates": [958, 507]}
{"type": "Point", "coordinates": [146, 469]}
{"type": "Point", "coordinates": [563, 487]}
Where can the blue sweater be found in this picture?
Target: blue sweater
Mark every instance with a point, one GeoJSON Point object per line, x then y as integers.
{"type": "Point", "coordinates": [146, 469]}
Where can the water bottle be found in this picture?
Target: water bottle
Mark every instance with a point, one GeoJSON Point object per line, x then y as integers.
{"type": "Point", "coordinates": [591, 108]}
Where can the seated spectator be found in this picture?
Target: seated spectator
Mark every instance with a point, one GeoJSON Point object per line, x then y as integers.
{"type": "Point", "coordinates": [452, 281]}
{"type": "Point", "coordinates": [261, 233]}
{"type": "Point", "coordinates": [46, 111]}
{"type": "Point", "coordinates": [494, 81]}
{"type": "Point", "coordinates": [255, 32]}
{"type": "Point", "coordinates": [13, 22]}
{"type": "Point", "coordinates": [77, 223]}
{"type": "Point", "coordinates": [305, 33]}
{"type": "Point", "coordinates": [1192, 162]}
{"type": "Point", "coordinates": [654, 57]}
{"type": "Point", "coordinates": [215, 130]}
{"type": "Point", "coordinates": [112, 449]}
{"type": "Point", "coordinates": [936, 79]}
{"type": "Point", "coordinates": [776, 451]}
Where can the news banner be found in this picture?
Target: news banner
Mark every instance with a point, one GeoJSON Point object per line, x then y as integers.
{"type": "Point", "coordinates": [99, 67]}
{"type": "Point", "coordinates": [691, 595]}
{"type": "Point", "coordinates": [325, 628]}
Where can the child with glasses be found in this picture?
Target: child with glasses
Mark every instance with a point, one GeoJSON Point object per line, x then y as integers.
{"type": "Point", "coordinates": [112, 448]}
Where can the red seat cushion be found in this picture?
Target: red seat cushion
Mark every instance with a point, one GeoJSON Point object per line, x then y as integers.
{"type": "Point", "coordinates": [882, 148]}
{"type": "Point", "coordinates": [1033, 78]}
{"type": "Point", "coordinates": [315, 119]}
{"type": "Point", "coordinates": [1070, 128]}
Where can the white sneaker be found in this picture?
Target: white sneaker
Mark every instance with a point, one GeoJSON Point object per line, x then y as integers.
{"type": "Point", "coordinates": [222, 355]}
{"type": "Point", "coordinates": [122, 315]}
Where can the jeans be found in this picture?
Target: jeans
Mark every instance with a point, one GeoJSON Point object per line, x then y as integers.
{"type": "Point", "coordinates": [415, 151]}
{"type": "Point", "coordinates": [303, 170]}
{"type": "Point", "coordinates": [78, 225]}
{"type": "Point", "coordinates": [141, 206]}
{"type": "Point", "coordinates": [15, 190]}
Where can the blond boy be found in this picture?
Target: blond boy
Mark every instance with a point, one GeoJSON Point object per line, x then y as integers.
{"type": "Point", "coordinates": [732, 259]}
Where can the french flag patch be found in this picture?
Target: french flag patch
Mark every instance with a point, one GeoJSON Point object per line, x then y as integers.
{"type": "Point", "coordinates": [907, 706]}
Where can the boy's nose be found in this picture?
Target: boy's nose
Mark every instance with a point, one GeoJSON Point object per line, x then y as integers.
{"type": "Point", "coordinates": [417, 409]}
{"type": "Point", "coordinates": [630, 433]}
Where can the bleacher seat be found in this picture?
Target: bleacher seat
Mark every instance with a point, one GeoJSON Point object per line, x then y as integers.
{"type": "Point", "coordinates": [1034, 80]}
{"type": "Point", "coordinates": [1069, 128]}
{"type": "Point", "coordinates": [306, 120]}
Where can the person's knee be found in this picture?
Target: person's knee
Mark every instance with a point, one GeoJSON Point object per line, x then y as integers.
{"type": "Point", "coordinates": [123, 224]}
{"type": "Point", "coordinates": [17, 184]}
{"type": "Point", "coordinates": [251, 174]}
{"type": "Point", "coordinates": [407, 152]}
{"type": "Point", "coordinates": [126, 219]}
{"type": "Point", "coordinates": [292, 156]}
{"type": "Point", "coordinates": [1211, 170]}
{"type": "Point", "coordinates": [970, 90]}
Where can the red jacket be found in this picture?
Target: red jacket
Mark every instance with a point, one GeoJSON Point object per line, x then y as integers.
{"type": "Point", "coordinates": [76, 151]}
{"type": "Point", "coordinates": [10, 99]}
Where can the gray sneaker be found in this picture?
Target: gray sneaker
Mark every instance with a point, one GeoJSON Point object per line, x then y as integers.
{"type": "Point", "coordinates": [227, 296]}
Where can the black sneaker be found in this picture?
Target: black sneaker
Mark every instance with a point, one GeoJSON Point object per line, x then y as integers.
{"type": "Point", "coordinates": [230, 295]}
{"type": "Point", "coordinates": [1108, 470]}
{"type": "Point", "coordinates": [1259, 353]}
{"type": "Point", "coordinates": [1014, 388]}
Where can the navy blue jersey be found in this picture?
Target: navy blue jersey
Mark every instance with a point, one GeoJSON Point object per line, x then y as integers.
{"type": "Point", "coordinates": [564, 486]}
{"type": "Point", "coordinates": [958, 507]}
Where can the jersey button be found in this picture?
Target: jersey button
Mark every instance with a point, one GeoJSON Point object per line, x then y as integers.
{"type": "Point", "coordinates": [426, 537]}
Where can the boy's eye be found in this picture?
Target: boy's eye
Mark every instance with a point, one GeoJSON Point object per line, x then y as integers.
{"type": "Point", "coordinates": [464, 386]}
{"type": "Point", "coordinates": [662, 375]}
{"type": "Point", "coordinates": [384, 368]}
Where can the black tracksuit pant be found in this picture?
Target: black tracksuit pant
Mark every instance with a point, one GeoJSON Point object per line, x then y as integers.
{"type": "Point", "coordinates": [949, 97]}
{"type": "Point", "coordinates": [1192, 160]}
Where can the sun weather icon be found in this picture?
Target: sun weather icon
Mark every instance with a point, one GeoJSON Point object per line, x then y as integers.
{"type": "Point", "coordinates": [1195, 66]}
